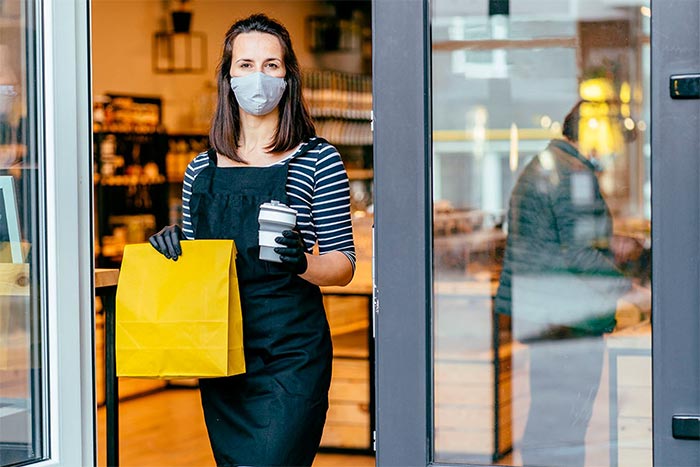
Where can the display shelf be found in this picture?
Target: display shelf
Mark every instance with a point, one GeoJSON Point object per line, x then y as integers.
{"type": "Point", "coordinates": [131, 189]}
{"type": "Point", "coordinates": [127, 114]}
{"type": "Point", "coordinates": [349, 421]}
{"type": "Point", "coordinates": [130, 134]}
{"type": "Point", "coordinates": [128, 180]}
{"type": "Point", "coordinates": [338, 95]}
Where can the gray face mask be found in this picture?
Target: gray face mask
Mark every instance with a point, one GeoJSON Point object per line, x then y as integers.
{"type": "Point", "coordinates": [257, 93]}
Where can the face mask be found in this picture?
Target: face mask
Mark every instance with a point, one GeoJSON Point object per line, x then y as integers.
{"type": "Point", "coordinates": [257, 93]}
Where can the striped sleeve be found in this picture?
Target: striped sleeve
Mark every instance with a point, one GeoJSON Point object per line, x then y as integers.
{"type": "Point", "coordinates": [193, 169]}
{"type": "Point", "coordinates": [331, 205]}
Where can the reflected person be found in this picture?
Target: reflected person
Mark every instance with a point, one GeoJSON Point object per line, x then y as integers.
{"type": "Point", "coordinates": [560, 285]}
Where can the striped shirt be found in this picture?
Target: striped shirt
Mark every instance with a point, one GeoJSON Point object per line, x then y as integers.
{"type": "Point", "coordinates": [317, 188]}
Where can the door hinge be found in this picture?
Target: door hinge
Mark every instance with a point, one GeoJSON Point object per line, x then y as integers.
{"type": "Point", "coordinates": [375, 309]}
{"type": "Point", "coordinates": [371, 121]}
{"type": "Point", "coordinates": [375, 291]}
{"type": "Point", "coordinates": [374, 440]}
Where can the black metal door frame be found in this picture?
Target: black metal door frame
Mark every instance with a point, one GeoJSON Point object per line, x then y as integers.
{"type": "Point", "coordinates": [403, 226]}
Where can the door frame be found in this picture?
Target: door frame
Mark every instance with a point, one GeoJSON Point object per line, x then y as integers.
{"type": "Point", "coordinates": [64, 120]}
{"type": "Point", "coordinates": [675, 229]}
{"type": "Point", "coordinates": [403, 225]}
{"type": "Point", "coordinates": [403, 231]}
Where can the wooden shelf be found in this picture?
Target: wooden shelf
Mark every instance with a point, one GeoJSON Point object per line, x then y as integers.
{"type": "Point", "coordinates": [349, 328]}
{"type": "Point", "coordinates": [360, 174]}
{"type": "Point", "coordinates": [352, 345]}
{"type": "Point", "coordinates": [14, 279]}
{"type": "Point", "coordinates": [349, 422]}
{"type": "Point", "coordinates": [128, 180]}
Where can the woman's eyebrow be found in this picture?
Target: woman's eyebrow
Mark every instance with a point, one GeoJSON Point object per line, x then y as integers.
{"type": "Point", "coordinates": [244, 59]}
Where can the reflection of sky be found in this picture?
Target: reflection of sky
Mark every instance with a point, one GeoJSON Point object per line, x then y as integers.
{"type": "Point", "coordinates": [514, 84]}
{"type": "Point", "coordinates": [518, 88]}
{"type": "Point", "coordinates": [538, 82]}
{"type": "Point", "coordinates": [529, 16]}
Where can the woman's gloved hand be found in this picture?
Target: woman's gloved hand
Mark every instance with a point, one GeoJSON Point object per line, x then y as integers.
{"type": "Point", "coordinates": [167, 241]}
{"type": "Point", "coordinates": [293, 253]}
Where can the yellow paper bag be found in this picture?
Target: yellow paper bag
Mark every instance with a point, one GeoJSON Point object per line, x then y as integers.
{"type": "Point", "coordinates": [179, 318]}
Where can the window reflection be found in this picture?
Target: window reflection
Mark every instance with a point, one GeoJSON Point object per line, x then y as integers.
{"type": "Point", "coordinates": [561, 280]}
{"type": "Point", "coordinates": [541, 233]}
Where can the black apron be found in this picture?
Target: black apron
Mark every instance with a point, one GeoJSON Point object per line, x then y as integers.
{"type": "Point", "coordinates": [273, 414]}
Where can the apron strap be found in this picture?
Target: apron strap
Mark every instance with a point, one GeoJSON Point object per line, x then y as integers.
{"type": "Point", "coordinates": [213, 159]}
{"type": "Point", "coordinates": [212, 156]}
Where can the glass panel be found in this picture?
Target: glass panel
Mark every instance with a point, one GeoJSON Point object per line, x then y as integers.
{"type": "Point", "coordinates": [22, 383]}
{"type": "Point", "coordinates": [541, 253]}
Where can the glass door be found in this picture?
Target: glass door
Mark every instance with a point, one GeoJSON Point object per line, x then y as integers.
{"type": "Point", "coordinates": [46, 377]}
{"type": "Point", "coordinates": [23, 364]}
{"type": "Point", "coordinates": [515, 199]}
{"type": "Point", "coordinates": [541, 233]}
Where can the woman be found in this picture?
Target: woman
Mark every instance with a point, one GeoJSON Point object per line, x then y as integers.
{"type": "Point", "coordinates": [264, 148]}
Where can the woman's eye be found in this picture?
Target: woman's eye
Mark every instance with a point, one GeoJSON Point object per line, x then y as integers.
{"type": "Point", "coordinates": [273, 65]}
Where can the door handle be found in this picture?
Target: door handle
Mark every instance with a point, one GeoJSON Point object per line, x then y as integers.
{"type": "Point", "coordinates": [686, 426]}
{"type": "Point", "coordinates": [686, 86]}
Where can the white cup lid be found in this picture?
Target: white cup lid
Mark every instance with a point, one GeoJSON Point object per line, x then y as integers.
{"type": "Point", "coordinates": [279, 207]}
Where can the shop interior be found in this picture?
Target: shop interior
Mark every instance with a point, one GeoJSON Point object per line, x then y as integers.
{"type": "Point", "coordinates": [153, 97]}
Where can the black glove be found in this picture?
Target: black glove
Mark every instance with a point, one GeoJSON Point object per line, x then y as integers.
{"type": "Point", "coordinates": [293, 254]}
{"type": "Point", "coordinates": [167, 241]}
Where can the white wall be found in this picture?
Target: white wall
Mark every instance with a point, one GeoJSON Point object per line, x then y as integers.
{"type": "Point", "coordinates": [122, 32]}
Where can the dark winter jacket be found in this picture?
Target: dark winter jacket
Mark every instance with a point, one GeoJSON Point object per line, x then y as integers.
{"type": "Point", "coordinates": [558, 273]}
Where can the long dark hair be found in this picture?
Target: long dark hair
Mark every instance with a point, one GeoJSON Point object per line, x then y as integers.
{"type": "Point", "coordinates": [295, 124]}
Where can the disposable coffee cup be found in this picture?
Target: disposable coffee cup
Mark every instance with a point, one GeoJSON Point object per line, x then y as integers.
{"type": "Point", "coordinates": [274, 218]}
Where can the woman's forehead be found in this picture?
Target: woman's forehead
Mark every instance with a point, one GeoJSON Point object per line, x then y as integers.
{"type": "Point", "coordinates": [257, 45]}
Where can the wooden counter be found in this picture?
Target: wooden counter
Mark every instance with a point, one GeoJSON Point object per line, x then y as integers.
{"type": "Point", "coordinates": [106, 277]}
